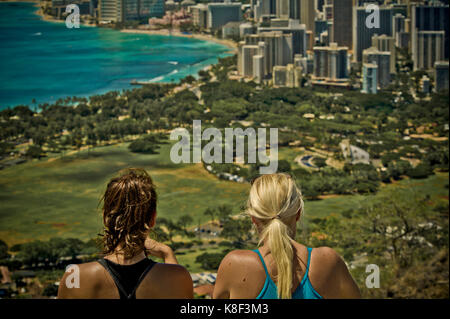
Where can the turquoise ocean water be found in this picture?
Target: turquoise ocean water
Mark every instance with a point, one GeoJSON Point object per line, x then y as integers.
{"type": "Point", "coordinates": [47, 61]}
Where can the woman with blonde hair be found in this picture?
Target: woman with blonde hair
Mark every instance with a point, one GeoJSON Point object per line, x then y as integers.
{"type": "Point", "coordinates": [281, 267]}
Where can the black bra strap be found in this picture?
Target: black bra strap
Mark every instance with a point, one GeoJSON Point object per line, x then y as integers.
{"type": "Point", "coordinates": [145, 272]}
{"type": "Point", "coordinates": [115, 277]}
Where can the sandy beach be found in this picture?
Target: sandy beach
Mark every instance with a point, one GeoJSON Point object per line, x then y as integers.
{"type": "Point", "coordinates": [232, 45]}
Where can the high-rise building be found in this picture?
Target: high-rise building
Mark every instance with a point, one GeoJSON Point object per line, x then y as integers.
{"type": "Point", "coordinates": [293, 27]}
{"type": "Point", "coordinates": [93, 5]}
{"type": "Point", "coordinates": [432, 17]}
{"type": "Point", "coordinates": [425, 84]}
{"type": "Point", "coordinates": [404, 39]}
{"type": "Point", "coordinates": [310, 40]}
{"type": "Point", "coordinates": [382, 59]}
{"type": "Point", "coordinates": [246, 28]}
{"type": "Point", "coordinates": [231, 30]}
{"type": "Point", "coordinates": [302, 10]}
{"type": "Point", "coordinates": [263, 8]}
{"type": "Point", "coordinates": [294, 76]}
{"type": "Point", "coordinates": [307, 14]}
{"type": "Point", "coordinates": [324, 38]}
{"type": "Point", "coordinates": [275, 47]}
{"type": "Point", "coordinates": [321, 26]}
{"type": "Point", "coordinates": [248, 52]}
{"type": "Point", "coordinates": [200, 15]}
{"type": "Point", "coordinates": [110, 10]}
{"type": "Point", "coordinates": [401, 30]}
{"type": "Point", "coordinates": [331, 63]}
{"type": "Point", "coordinates": [385, 44]}
{"type": "Point", "coordinates": [129, 10]}
{"type": "Point", "coordinates": [289, 75]}
{"type": "Point", "coordinates": [363, 31]}
{"type": "Point", "coordinates": [220, 14]}
{"type": "Point", "coordinates": [306, 63]}
{"type": "Point", "coordinates": [328, 10]}
{"type": "Point", "coordinates": [441, 75]}
{"type": "Point", "coordinates": [342, 22]}
{"type": "Point", "coordinates": [284, 9]}
{"type": "Point", "coordinates": [151, 8]}
{"type": "Point", "coordinates": [398, 26]}
{"type": "Point", "coordinates": [258, 68]}
{"type": "Point", "coordinates": [428, 48]}
{"type": "Point", "coordinates": [279, 75]}
{"type": "Point", "coordinates": [318, 5]}
{"type": "Point", "coordinates": [58, 7]}
{"type": "Point", "coordinates": [370, 72]}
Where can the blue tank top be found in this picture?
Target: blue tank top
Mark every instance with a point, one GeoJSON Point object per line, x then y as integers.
{"type": "Point", "coordinates": [304, 291]}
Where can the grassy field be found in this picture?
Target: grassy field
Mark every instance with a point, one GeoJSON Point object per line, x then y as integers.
{"type": "Point", "coordinates": [59, 197]}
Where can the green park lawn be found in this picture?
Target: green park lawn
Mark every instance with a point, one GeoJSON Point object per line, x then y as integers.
{"type": "Point", "coordinates": [59, 197]}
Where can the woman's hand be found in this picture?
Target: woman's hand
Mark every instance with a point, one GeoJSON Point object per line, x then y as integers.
{"type": "Point", "coordinates": [160, 250]}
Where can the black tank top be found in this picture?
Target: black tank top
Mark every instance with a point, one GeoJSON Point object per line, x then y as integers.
{"type": "Point", "coordinates": [128, 277]}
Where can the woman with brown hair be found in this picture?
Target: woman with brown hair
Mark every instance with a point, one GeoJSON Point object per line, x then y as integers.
{"type": "Point", "coordinates": [281, 267]}
{"type": "Point", "coordinates": [125, 272]}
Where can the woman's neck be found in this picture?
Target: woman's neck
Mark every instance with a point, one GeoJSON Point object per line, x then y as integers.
{"type": "Point", "coordinates": [119, 258]}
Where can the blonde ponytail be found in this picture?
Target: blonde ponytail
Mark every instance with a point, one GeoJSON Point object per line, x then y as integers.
{"type": "Point", "coordinates": [273, 199]}
{"type": "Point", "coordinates": [281, 249]}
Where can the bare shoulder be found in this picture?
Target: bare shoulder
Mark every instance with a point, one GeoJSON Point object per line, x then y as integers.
{"type": "Point", "coordinates": [84, 277]}
{"type": "Point", "coordinates": [237, 269]}
{"type": "Point", "coordinates": [91, 269]}
{"type": "Point", "coordinates": [330, 276]}
{"type": "Point", "coordinates": [86, 271]}
{"type": "Point", "coordinates": [326, 255]}
{"type": "Point", "coordinates": [169, 281]}
{"type": "Point", "coordinates": [239, 257]}
{"type": "Point", "coordinates": [324, 265]}
{"type": "Point", "coordinates": [170, 274]}
{"type": "Point", "coordinates": [171, 269]}
{"type": "Point", "coordinates": [238, 263]}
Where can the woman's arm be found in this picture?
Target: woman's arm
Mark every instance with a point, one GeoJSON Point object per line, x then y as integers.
{"type": "Point", "coordinates": [331, 274]}
{"type": "Point", "coordinates": [222, 287]}
{"type": "Point", "coordinates": [348, 288]}
{"type": "Point", "coordinates": [160, 250]}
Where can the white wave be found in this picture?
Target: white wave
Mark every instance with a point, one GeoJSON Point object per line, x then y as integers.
{"type": "Point", "coordinates": [37, 33]}
{"type": "Point", "coordinates": [173, 62]}
{"type": "Point", "coordinates": [159, 78]}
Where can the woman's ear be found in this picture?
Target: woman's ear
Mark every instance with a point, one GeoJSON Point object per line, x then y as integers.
{"type": "Point", "coordinates": [254, 221]}
{"type": "Point", "coordinates": [299, 213]}
{"type": "Point", "coordinates": [153, 220]}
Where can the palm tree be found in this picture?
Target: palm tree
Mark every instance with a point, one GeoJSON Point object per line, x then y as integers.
{"type": "Point", "coordinates": [210, 212]}
{"type": "Point", "coordinates": [33, 101]}
{"type": "Point", "coordinates": [184, 221]}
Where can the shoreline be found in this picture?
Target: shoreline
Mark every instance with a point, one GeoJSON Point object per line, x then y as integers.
{"type": "Point", "coordinates": [37, 10]}
{"type": "Point", "coordinates": [49, 18]}
{"type": "Point", "coordinates": [165, 32]}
